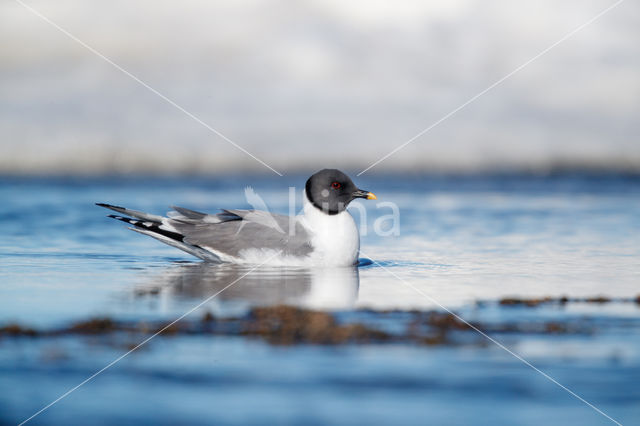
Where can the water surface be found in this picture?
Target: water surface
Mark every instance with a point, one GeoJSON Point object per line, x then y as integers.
{"type": "Point", "coordinates": [462, 239]}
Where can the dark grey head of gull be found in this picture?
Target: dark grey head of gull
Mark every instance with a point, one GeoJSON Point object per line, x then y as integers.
{"type": "Point", "coordinates": [331, 191]}
{"type": "Point", "coordinates": [324, 234]}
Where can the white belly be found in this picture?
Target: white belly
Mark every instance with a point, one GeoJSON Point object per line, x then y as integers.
{"type": "Point", "coordinates": [335, 238]}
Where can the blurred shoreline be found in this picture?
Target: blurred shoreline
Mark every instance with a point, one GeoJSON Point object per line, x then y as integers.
{"type": "Point", "coordinates": [320, 85]}
{"type": "Point", "coordinates": [552, 170]}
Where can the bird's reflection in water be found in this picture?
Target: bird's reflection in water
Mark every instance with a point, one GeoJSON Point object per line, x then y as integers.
{"type": "Point", "coordinates": [315, 288]}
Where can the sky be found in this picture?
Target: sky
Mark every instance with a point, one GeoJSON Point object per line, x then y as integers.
{"type": "Point", "coordinates": [313, 84]}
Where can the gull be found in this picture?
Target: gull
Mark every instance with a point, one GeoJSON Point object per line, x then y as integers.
{"type": "Point", "coordinates": [324, 234]}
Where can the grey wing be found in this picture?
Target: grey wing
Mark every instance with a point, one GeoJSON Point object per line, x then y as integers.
{"type": "Point", "coordinates": [232, 231]}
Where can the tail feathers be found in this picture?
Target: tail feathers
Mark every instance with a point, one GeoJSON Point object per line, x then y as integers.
{"type": "Point", "coordinates": [160, 229]}
{"type": "Point", "coordinates": [132, 213]}
{"type": "Point", "coordinates": [151, 227]}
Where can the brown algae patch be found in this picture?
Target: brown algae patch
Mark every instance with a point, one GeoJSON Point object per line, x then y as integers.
{"type": "Point", "coordinates": [15, 330]}
{"type": "Point", "coordinates": [533, 302]}
{"type": "Point", "coordinates": [94, 326]}
{"type": "Point", "coordinates": [289, 325]}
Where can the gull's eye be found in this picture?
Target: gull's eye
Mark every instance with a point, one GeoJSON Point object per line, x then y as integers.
{"type": "Point", "coordinates": [336, 185]}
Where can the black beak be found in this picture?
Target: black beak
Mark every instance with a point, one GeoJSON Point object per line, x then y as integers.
{"type": "Point", "coordinates": [364, 194]}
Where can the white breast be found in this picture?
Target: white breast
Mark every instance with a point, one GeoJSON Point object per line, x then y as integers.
{"type": "Point", "coordinates": [335, 238]}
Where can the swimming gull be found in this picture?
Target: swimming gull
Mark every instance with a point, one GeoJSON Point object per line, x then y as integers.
{"type": "Point", "coordinates": [323, 234]}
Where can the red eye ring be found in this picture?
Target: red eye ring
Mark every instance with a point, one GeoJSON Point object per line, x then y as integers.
{"type": "Point", "coordinates": [336, 185]}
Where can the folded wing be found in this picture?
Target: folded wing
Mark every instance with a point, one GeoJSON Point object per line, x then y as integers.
{"type": "Point", "coordinates": [219, 237]}
{"type": "Point", "coordinates": [235, 232]}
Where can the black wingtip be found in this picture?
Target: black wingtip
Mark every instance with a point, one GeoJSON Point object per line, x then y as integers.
{"type": "Point", "coordinates": [152, 227]}
{"type": "Point", "coordinates": [110, 206]}
{"type": "Point", "coordinates": [124, 219]}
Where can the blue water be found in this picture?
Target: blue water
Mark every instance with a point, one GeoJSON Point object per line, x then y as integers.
{"type": "Point", "coordinates": [461, 239]}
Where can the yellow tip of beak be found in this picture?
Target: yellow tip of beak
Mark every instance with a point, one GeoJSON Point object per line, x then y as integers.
{"type": "Point", "coordinates": [371, 196]}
